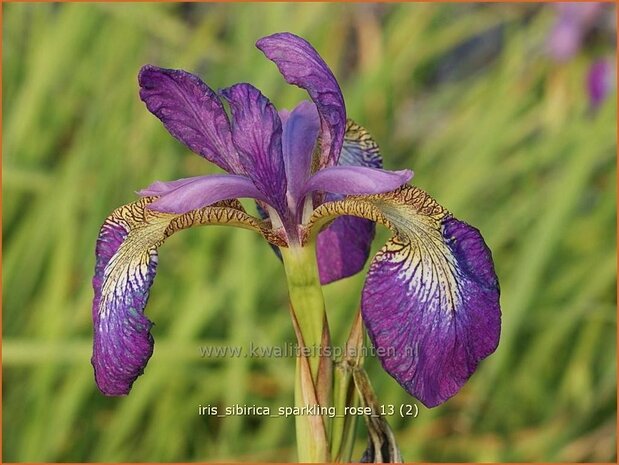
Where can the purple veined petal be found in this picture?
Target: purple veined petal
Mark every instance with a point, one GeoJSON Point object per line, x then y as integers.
{"type": "Point", "coordinates": [299, 135]}
{"type": "Point", "coordinates": [191, 112]}
{"type": "Point", "coordinates": [126, 262]}
{"type": "Point", "coordinates": [187, 194]}
{"type": "Point", "coordinates": [122, 341]}
{"type": "Point", "coordinates": [356, 180]}
{"type": "Point", "coordinates": [343, 247]}
{"type": "Point", "coordinates": [359, 148]}
{"type": "Point", "coordinates": [257, 136]}
{"type": "Point", "coordinates": [301, 65]}
{"type": "Point", "coordinates": [433, 308]}
{"type": "Point", "coordinates": [430, 302]}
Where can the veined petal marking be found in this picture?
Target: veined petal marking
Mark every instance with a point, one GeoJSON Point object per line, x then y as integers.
{"type": "Point", "coordinates": [124, 272]}
{"type": "Point", "coordinates": [359, 148]}
{"type": "Point", "coordinates": [344, 246]}
{"type": "Point", "coordinates": [431, 296]}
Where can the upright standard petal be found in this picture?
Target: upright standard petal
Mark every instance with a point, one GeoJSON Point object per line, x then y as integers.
{"type": "Point", "coordinates": [192, 113]}
{"type": "Point", "coordinates": [301, 65]}
{"type": "Point", "coordinates": [431, 298]}
{"type": "Point", "coordinates": [257, 135]}
{"type": "Point", "coordinates": [299, 137]}
{"type": "Point", "coordinates": [187, 194]}
{"type": "Point", "coordinates": [343, 247]}
{"type": "Point", "coordinates": [126, 262]}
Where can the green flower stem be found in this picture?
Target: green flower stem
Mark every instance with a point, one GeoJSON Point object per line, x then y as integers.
{"type": "Point", "coordinates": [343, 428]}
{"type": "Point", "coordinates": [345, 394]}
{"type": "Point", "coordinates": [306, 298]}
{"type": "Point", "coordinates": [313, 373]}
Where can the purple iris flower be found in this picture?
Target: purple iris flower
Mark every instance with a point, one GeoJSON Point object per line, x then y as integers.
{"type": "Point", "coordinates": [431, 296]}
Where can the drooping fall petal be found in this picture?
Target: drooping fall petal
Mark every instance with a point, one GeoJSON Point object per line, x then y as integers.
{"type": "Point", "coordinates": [431, 298]}
{"type": "Point", "coordinates": [126, 263]}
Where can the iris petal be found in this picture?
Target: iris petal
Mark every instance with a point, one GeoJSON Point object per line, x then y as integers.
{"type": "Point", "coordinates": [301, 65]}
{"type": "Point", "coordinates": [356, 180]}
{"type": "Point", "coordinates": [300, 132]}
{"type": "Point", "coordinates": [187, 194]}
{"type": "Point", "coordinates": [431, 298]}
{"type": "Point", "coordinates": [359, 148]}
{"type": "Point", "coordinates": [158, 188]}
{"type": "Point", "coordinates": [343, 247]}
{"type": "Point", "coordinates": [191, 112]}
{"type": "Point", "coordinates": [257, 135]}
{"type": "Point", "coordinates": [126, 263]}
{"type": "Point", "coordinates": [122, 340]}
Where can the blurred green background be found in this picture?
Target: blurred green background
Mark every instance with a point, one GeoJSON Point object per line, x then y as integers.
{"type": "Point", "coordinates": [466, 95]}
